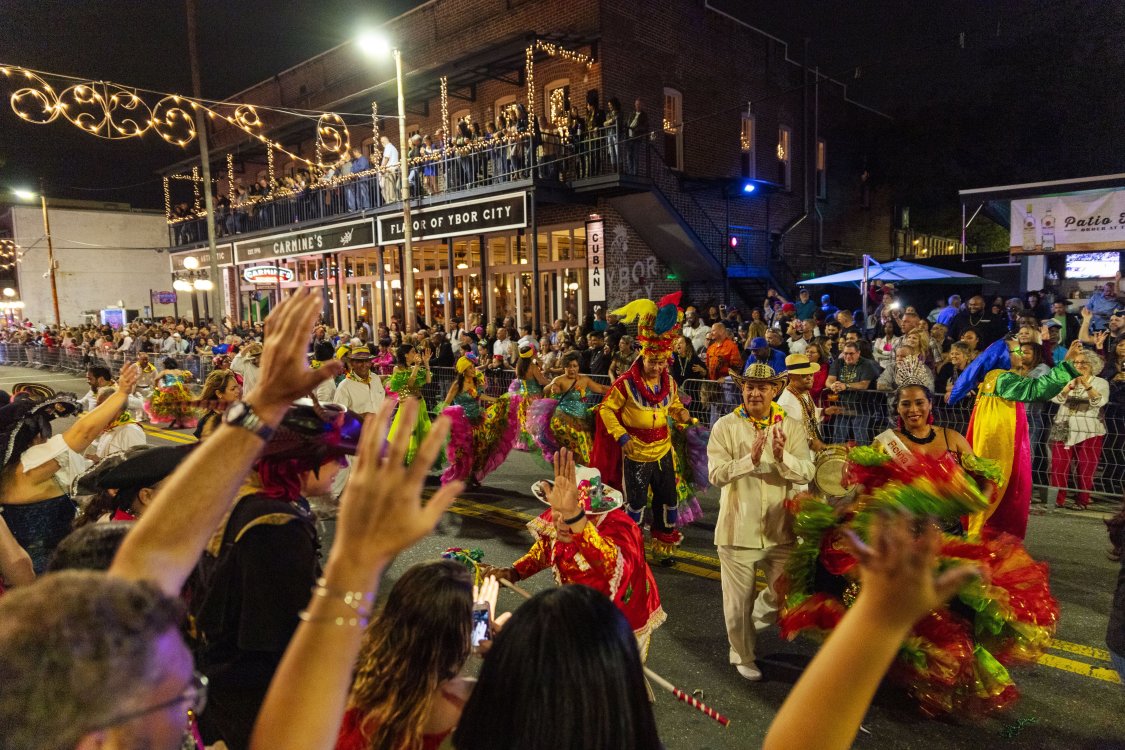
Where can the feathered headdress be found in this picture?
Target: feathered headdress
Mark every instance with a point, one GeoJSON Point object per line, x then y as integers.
{"type": "Point", "coordinates": [995, 357]}
{"type": "Point", "coordinates": [658, 324]}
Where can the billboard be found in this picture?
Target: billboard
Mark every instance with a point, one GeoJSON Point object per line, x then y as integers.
{"type": "Point", "coordinates": [1078, 222]}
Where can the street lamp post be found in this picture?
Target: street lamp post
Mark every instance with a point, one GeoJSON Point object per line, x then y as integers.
{"type": "Point", "coordinates": [409, 311]}
{"type": "Point", "coordinates": [373, 44]}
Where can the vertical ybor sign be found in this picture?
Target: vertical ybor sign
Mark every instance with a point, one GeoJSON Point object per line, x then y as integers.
{"type": "Point", "coordinates": [595, 257]}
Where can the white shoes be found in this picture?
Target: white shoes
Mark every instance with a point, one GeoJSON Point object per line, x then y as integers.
{"type": "Point", "coordinates": [749, 671]}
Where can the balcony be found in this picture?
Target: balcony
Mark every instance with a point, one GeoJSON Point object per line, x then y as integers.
{"type": "Point", "coordinates": [550, 163]}
{"type": "Point", "coordinates": [906, 243]}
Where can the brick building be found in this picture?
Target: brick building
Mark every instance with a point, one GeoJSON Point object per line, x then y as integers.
{"type": "Point", "coordinates": [731, 110]}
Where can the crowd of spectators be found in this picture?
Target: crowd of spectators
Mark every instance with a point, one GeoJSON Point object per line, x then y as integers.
{"type": "Point", "coordinates": [577, 143]}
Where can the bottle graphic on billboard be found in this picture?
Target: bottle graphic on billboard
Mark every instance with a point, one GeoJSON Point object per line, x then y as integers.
{"type": "Point", "coordinates": [1048, 234]}
{"type": "Point", "coordinates": [1029, 233]}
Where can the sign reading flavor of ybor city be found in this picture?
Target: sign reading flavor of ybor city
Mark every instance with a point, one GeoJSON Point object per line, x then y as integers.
{"type": "Point", "coordinates": [1084, 222]}
{"type": "Point", "coordinates": [455, 219]}
{"type": "Point", "coordinates": [203, 255]}
{"type": "Point", "coordinates": [349, 234]}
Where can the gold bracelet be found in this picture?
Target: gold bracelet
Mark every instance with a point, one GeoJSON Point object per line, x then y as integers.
{"type": "Point", "coordinates": [354, 599]}
{"type": "Point", "coordinates": [352, 622]}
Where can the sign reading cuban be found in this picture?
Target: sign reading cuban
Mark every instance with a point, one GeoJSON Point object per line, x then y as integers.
{"type": "Point", "coordinates": [595, 257]}
{"type": "Point", "coordinates": [349, 234]}
{"type": "Point", "coordinates": [1082, 222]}
{"type": "Point", "coordinates": [455, 219]}
{"type": "Point", "coordinates": [223, 253]}
{"type": "Point", "coordinates": [267, 274]}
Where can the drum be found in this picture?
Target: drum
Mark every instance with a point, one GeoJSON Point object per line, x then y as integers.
{"type": "Point", "coordinates": [831, 464]}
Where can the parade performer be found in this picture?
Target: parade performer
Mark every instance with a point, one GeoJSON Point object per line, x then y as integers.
{"type": "Point", "coordinates": [480, 438]}
{"type": "Point", "coordinates": [171, 402]}
{"type": "Point", "coordinates": [564, 419]}
{"type": "Point", "coordinates": [587, 539]}
{"type": "Point", "coordinates": [410, 376]}
{"type": "Point", "coordinates": [361, 390]}
{"type": "Point", "coordinates": [998, 426]}
{"type": "Point", "coordinates": [526, 389]}
{"type": "Point", "coordinates": [955, 659]}
{"type": "Point", "coordinates": [633, 433]}
{"type": "Point", "coordinates": [757, 455]}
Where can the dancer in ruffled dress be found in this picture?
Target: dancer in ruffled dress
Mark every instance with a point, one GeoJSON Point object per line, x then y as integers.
{"type": "Point", "coordinates": [526, 389]}
{"type": "Point", "coordinates": [480, 437]}
{"type": "Point", "coordinates": [564, 419]}
{"type": "Point", "coordinates": [171, 402]}
{"type": "Point", "coordinates": [410, 376]}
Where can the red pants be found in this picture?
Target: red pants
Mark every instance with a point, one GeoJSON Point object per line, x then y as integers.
{"type": "Point", "coordinates": [1086, 454]}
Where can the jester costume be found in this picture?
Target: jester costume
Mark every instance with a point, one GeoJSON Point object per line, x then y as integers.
{"type": "Point", "coordinates": [608, 556]}
{"type": "Point", "coordinates": [956, 658]}
{"type": "Point", "coordinates": [171, 402]}
{"type": "Point", "coordinates": [633, 444]}
{"type": "Point", "coordinates": [563, 421]}
{"type": "Point", "coordinates": [998, 430]}
{"type": "Point", "coordinates": [404, 386]}
{"type": "Point", "coordinates": [480, 438]}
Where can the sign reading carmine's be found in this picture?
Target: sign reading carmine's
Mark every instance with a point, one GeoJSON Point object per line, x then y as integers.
{"type": "Point", "coordinates": [345, 236]}
{"type": "Point", "coordinates": [455, 219]}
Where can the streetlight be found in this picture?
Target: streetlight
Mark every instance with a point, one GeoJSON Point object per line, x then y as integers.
{"type": "Point", "coordinates": [28, 195]}
{"type": "Point", "coordinates": [374, 44]}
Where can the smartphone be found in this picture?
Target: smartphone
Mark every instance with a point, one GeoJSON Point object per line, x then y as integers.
{"type": "Point", "coordinates": [482, 623]}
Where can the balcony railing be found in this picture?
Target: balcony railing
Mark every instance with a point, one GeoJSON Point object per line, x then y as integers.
{"type": "Point", "coordinates": [910, 244]}
{"type": "Point", "coordinates": [545, 159]}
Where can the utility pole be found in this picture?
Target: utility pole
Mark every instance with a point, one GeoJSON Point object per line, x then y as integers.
{"type": "Point", "coordinates": [204, 157]}
{"type": "Point", "coordinates": [50, 253]}
{"type": "Point", "coordinates": [410, 310]}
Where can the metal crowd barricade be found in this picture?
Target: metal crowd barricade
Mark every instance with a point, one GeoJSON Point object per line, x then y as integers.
{"type": "Point", "coordinates": [76, 361]}
{"type": "Point", "coordinates": [868, 413]}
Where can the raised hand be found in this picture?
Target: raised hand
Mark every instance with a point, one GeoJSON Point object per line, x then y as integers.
{"type": "Point", "coordinates": [564, 495]}
{"type": "Point", "coordinates": [758, 446]}
{"type": "Point", "coordinates": [778, 443]}
{"type": "Point", "coordinates": [897, 570]}
{"type": "Point", "coordinates": [381, 510]}
{"type": "Point", "coordinates": [285, 372]}
{"type": "Point", "coordinates": [1074, 350]}
{"type": "Point", "coordinates": [127, 378]}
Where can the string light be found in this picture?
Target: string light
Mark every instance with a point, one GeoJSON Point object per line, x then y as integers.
{"type": "Point", "coordinates": [230, 177]}
{"type": "Point", "coordinates": [269, 161]}
{"type": "Point", "coordinates": [552, 50]}
{"type": "Point", "coordinates": [529, 70]}
{"type": "Point", "coordinates": [195, 187]}
{"type": "Point", "coordinates": [445, 108]}
{"type": "Point", "coordinates": [167, 199]}
{"type": "Point", "coordinates": [375, 123]}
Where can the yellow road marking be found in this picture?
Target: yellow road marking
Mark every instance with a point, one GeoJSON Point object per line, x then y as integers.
{"type": "Point", "coordinates": [1076, 648]}
{"type": "Point", "coordinates": [175, 437]}
{"type": "Point", "coordinates": [1079, 668]}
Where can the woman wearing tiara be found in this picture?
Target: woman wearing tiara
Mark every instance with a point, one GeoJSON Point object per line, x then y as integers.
{"type": "Point", "coordinates": [526, 389]}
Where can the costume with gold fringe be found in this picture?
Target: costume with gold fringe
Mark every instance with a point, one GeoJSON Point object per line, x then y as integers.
{"type": "Point", "coordinates": [633, 440]}
{"type": "Point", "coordinates": [956, 658]}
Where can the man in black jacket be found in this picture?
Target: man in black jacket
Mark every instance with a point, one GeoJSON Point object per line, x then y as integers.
{"type": "Point", "coordinates": [637, 130]}
{"type": "Point", "coordinates": [989, 327]}
{"type": "Point", "coordinates": [598, 356]}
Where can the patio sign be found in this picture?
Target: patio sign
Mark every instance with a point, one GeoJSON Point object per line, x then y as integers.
{"type": "Point", "coordinates": [1077, 222]}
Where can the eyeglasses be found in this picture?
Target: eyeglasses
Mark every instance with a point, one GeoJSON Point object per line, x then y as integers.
{"type": "Point", "coordinates": [194, 695]}
{"type": "Point", "coordinates": [1018, 352]}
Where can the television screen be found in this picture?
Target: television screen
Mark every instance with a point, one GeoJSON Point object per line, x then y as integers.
{"type": "Point", "coordinates": [1092, 265]}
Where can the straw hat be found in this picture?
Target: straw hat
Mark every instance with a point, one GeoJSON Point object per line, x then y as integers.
{"type": "Point", "coordinates": [759, 372]}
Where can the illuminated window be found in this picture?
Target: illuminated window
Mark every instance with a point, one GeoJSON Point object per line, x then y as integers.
{"type": "Point", "coordinates": [821, 168]}
{"type": "Point", "coordinates": [558, 102]}
{"type": "Point", "coordinates": [785, 157]}
{"type": "Point", "coordinates": [748, 145]}
{"type": "Point", "coordinates": [673, 129]}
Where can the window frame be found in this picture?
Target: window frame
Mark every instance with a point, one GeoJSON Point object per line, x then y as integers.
{"type": "Point", "coordinates": [785, 154]}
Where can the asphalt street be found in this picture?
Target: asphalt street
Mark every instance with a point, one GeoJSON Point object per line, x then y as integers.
{"type": "Point", "coordinates": [1072, 699]}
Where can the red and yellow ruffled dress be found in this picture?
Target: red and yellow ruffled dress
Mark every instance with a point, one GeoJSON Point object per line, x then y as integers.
{"type": "Point", "coordinates": [956, 658]}
{"type": "Point", "coordinates": [480, 438]}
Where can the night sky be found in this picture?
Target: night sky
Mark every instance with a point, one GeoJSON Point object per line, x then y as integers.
{"type": "Point", "coordinates": [1034, 94]}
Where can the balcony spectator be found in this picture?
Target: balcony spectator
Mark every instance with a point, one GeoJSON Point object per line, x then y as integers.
{"type": "Point", "coordinates": [594, 134]}
{"type": "Point", "coordinates": [1078, 430]}
{"type": "Point", "coordinates": [637, 131]}
{"type": "Point", "coordinates": [388, 181]}
{"type": "Point", "coordinates": [429, 166]}
{"type": "Point", "coordinates": [547, 150]}
{"type": "Point", "coordinates": [414, 160]}
{"type": "Point", "coordinates": [517, 154]}
{"type": "Point", "coordinates": [847, 378]}
{"type": "Point", "coordinates": [612, 127]}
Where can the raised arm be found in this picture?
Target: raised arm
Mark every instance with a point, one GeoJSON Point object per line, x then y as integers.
{"type": "Point", "coordinates": [170, 537]}
{"type": "Point", "coordinates": [381, 514]}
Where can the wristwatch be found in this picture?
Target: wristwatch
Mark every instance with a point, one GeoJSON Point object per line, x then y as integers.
{"type": "Point", "coordinates": [241, 414]}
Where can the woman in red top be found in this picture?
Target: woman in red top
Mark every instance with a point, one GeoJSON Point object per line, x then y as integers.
{"type": "Point", "coordinates": [407, 694]}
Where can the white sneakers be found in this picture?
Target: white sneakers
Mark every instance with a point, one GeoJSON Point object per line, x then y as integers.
{"type": "Point", "coordinates": [749, 671]}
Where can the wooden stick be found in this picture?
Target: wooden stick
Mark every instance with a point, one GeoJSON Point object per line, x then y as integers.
{"type": "Point", "coordinates": [675, 691]}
